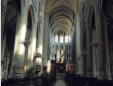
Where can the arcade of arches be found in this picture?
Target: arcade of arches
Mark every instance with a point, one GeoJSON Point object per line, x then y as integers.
{"type": "Point", "coordinates": [53, 39]}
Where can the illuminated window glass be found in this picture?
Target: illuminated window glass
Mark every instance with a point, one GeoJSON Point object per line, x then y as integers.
{"type": "Point", "coordinates": [69, 38]}
{"type": "Point", "coordinates": [66, 39]}
{"type": "Point", "coordinates": [56, 38]}
{"type": "Point", "coordinates": [61, 39]}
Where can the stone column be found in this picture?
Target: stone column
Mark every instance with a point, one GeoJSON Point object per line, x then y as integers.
{"type": "Point", "coordinates": [3, 30]}
{"type": "Point", "coordinates": [94, 55]}
{"type": "Point", "coordinates": [45, 40]}
{"type": "Point", "coordinates": [68, 52]}
{"type": "Point", "coordinates": [107, 59]}
{"type": "Point", "coordinates": [100, 47]}
{"type": "Point", "coordinates": [30, 48]}
{"type": "Point", "coordinates": [64, 38]}
{"type": "Point", "coordinates": [3, 15]}
{"type": "Point", "coordinates": [58, 38]}
{"type": "Point", "coordinates": [79, 63]}
{"type": "Point", "coordinates": [26, 54]}
{"type": "Point", "coordinates": [52, 52]}
{"type": "Point", "coordinates": [88, 44]}
{"type": "Point", "coordinates": [3, 44]}
{"type": "Point", "coordinates": [16, 58]}
{"type": "Point", "coordinates": [14, 64]}
{"type": "Point", "coordinates": [19, 48]}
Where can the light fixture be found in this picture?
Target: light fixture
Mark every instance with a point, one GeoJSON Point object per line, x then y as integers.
{"type": "Point", "coordinates": [37, 58]}
{"type": "Point", "coordinates": [62, 60]}
{"type": "Point", "coordinates": [39, 61]}
{"type": "Point", "coordinates": [58, 60]}
{"type": "Point", "coordinates": [25, 68]}
{"type": "Point", "coordinates": [40, 49]}
{"type": "Point", "coordinates": [48, 66]}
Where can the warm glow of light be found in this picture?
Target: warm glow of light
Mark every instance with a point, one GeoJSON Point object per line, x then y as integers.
{"type": "Point", "coordinates": [33, 45]}
{"type": "Point", "coordinates": [69, 38]}
{"type": "Point", "coordinates": [39, 61]}
{"type": "Point", "coordinates": [25, 68]}
{"type": "Point", "coordinates": [40, 13]}
{"type": "Point", "coordinates": [49, 66]}
{"type": "Point", "coordinates": [40, 49]}
{"type": "Point", "coordinates": [32, 48]}
{"type": "Point", "coordinates": [21, 49]}
{"type": "Point", "coordinates": [57, 60]}
{"type": "Point", "coordinates": [66, 39]}
{"type": "Point", "coordinates": [61, 39]}
{"type": "Point", "coordinates": [62, 60]}
{"type": "Point", "coordinates": [58, 54]}
{"type": "Point", "coordinates": [22, 39]}
{"type": "Point", "coordinates": [62, 51]}
{"type": "Point", "coordinates": [67, 66]}
{"type": "Point", "coordinates": [23, 33]}
{"type": "Point", "coordinates": [56, 38]}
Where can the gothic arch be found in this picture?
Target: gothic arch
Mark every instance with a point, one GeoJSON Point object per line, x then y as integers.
{"type": "Point", "coordinates": [61, 19]}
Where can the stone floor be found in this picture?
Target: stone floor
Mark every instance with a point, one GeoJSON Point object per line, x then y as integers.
{"type": "Point", "coordinates": [60, 81]}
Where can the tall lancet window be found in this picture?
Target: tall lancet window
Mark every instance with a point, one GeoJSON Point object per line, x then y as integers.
{"type": "Point", "coordinates": [66, 39]}
{"type": "Point", "coordinates": [69, 38]}
{"type": "Point", "coordinates": [61, 38]}
{"type": "Point", "coordinates": [56, 38]}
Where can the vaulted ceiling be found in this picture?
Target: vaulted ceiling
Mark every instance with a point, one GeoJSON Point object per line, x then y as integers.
{"type": "Point", "coordinates": [51, 4]}
{"type": "Point", "coordinates": [61, 15]}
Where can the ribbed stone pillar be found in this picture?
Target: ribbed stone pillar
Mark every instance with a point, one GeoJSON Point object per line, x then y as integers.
{"type": "Point", "coordinates": [89, 58]}
{"type": "Point", "coordinates": [79, 62]}
{"type": "Point", "coordinates": [3, 14]}
{"type": "Point", "coordinates": [94, 55]}
{"type": "Point", "coordinates": [107, 59]}
{"type": "Point", "coordinates": [45, 41]}
{"type": "Point", "coordinates": [18, 59]}
{"type": "Point", "coordinates": [100, 47]}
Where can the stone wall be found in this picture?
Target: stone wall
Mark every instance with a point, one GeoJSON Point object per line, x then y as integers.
{"type": "Point", "coordinates": [24, 50]}
{"type": "Point", "coordinates": [97, 62]}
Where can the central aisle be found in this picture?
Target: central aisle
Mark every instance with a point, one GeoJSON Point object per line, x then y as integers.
{"type": "Point", "coordinates": [60, 83]}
